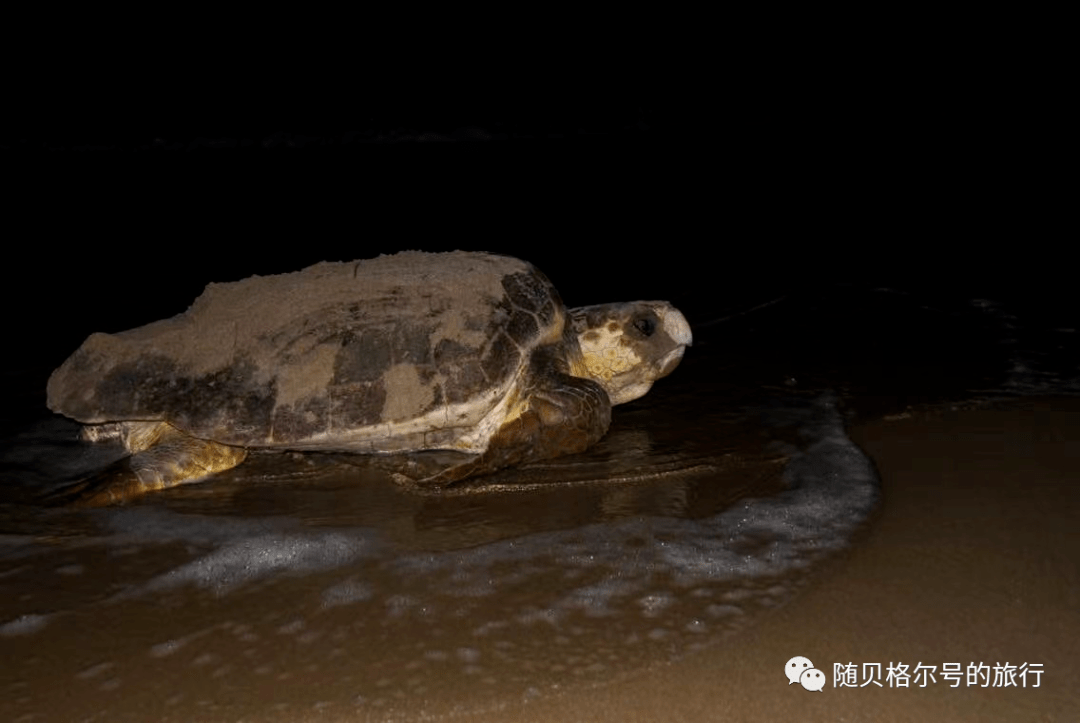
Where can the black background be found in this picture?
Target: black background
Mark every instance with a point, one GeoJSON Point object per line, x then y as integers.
{"type": "Point", "coordinates": [717, 172]}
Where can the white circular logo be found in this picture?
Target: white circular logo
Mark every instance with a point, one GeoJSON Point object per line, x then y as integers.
{"type": "Point", "coordinates": [812, 679]}
{"type": "Point", "coordinates": [795, 667]}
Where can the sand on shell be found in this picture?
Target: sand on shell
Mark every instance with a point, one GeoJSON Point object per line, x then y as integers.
{"type": "Point", "coordinates": [266, 361]}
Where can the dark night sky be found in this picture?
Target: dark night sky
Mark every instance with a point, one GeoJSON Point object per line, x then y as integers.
{"type": "Point", "coordinates": [625, 182]}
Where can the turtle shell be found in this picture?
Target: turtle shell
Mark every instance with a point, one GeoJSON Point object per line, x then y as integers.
{"type": "Point", "coordinates": [404, 352]}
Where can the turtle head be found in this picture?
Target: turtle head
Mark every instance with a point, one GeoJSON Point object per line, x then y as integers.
{"type": "Point", "coordinates": [628, 346]}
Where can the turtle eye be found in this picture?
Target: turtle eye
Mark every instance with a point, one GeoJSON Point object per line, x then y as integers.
{"type": "Point", "coordinates": [645, 324]}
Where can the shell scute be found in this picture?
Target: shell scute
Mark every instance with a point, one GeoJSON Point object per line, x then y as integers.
{"type": "Point", "coordinates": [500, 359]}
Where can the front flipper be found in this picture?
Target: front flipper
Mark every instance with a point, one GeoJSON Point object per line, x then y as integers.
{"type": "Point", "coordinates": [563, 415]}
{"type": "Point", "coordinates": [172, 459]}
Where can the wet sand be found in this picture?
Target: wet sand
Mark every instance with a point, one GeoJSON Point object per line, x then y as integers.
{"type": "Point", "coordinates": [972, 558]}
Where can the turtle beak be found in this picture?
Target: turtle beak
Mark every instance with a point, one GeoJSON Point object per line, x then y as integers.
{"type": "Point", "coordinates": [677, 327]}
{"type": "Point", "coordinates": [669, 362]}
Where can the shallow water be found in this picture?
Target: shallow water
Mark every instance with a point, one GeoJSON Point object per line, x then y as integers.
{"type": "Point", "coordinates": [311, 585]}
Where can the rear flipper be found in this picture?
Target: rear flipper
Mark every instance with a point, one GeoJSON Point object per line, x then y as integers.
{"type": "Point", "coordinates": [172, 459]}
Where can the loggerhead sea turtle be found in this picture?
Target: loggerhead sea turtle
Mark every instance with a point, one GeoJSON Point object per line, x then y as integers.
{"type": "Point", "coordinates": [417, 351]}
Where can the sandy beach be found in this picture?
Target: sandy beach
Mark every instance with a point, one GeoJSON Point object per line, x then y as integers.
{"type": "Point", "coordinates": [970, 559]}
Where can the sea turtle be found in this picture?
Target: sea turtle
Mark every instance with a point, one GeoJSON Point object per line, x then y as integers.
{"type": "Point", "coordinates": [471, 352]}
